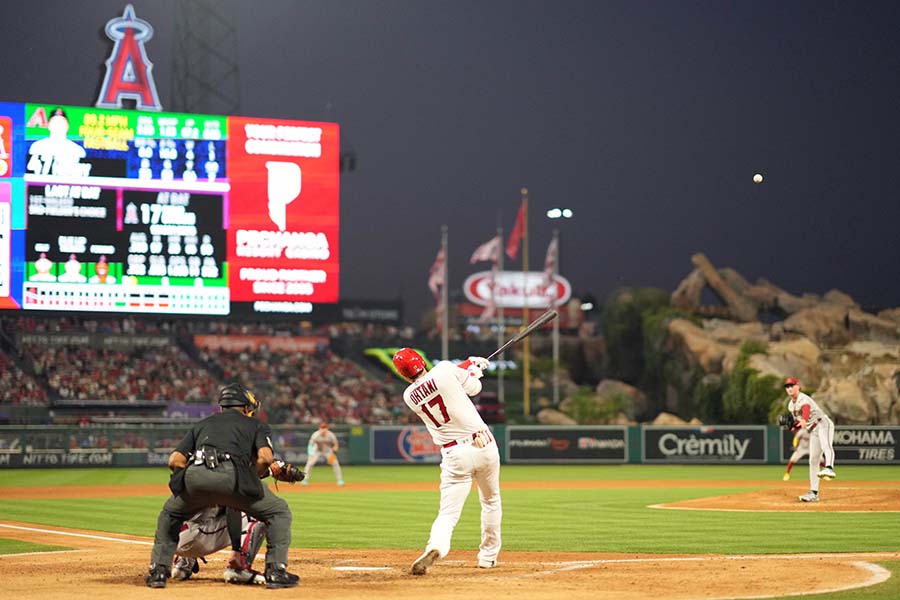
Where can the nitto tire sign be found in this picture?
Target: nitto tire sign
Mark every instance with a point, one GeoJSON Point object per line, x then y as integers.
{"type": "Point", "coordinates": [722, 444]}
{"type": "Point", "coordinates": [566, 444]}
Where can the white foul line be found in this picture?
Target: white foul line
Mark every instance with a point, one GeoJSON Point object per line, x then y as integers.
{"type": "Point", "coordinates": [81, 535]}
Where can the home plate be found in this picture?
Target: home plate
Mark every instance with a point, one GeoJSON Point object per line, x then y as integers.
{"type": "Point", "coordinates": [362, 568]}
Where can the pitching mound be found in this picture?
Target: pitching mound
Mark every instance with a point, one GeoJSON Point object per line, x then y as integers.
{"type": "Point", "coordinates": [831, 499]}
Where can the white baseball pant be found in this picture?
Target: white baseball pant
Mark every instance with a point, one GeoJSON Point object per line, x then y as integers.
{"type": "Point", "coordinates": [460, 465]}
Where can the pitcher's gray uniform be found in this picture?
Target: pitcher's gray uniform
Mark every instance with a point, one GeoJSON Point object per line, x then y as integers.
{"type": "Point", "coordinates": [821, 436]}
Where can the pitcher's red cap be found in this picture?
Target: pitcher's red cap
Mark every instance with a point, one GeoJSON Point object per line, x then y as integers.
{"type": "Point", "coordinates": [791, 381]}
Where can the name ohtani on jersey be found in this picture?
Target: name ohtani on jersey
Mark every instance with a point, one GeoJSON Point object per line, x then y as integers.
{"type": "Point", "coordinates": [421, 393]}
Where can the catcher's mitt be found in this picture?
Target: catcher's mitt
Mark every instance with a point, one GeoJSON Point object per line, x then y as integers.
{"type": "Point", "coordinates": [786, 420]}
{"type": "Point", "coordinates": [286, 472]}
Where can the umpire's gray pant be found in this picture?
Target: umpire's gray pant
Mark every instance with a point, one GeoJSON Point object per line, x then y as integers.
{"type": "Point", "coordinates": [205, 487]}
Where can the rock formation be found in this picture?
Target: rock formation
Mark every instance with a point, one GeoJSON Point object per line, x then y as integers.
{"type": "Point", "coordinates": [848, 358]}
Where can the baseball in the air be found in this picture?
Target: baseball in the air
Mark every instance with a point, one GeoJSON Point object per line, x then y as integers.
{"type": "Point", "coordinates": [757, 178]}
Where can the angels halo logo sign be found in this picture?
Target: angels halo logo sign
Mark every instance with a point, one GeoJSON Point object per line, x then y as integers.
{"type": "Point", "coordinates": [512, 289]}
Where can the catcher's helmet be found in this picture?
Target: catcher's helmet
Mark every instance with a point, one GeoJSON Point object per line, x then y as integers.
{"type": "Point", "coordinates": [234, 394]}
{"type": "Point", "coordinates": [409, 363]}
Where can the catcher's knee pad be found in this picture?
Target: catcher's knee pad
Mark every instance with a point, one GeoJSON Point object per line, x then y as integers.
{"type": "Point", "coordinates": [254, 534]}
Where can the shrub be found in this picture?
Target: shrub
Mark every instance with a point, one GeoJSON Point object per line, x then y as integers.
{"type": "Point", "coordinates": [749, 397]}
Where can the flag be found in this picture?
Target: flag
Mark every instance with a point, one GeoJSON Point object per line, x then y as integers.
{"type": "Point", "coordinates": [550, 261]}
{"type": "Point", "coordinates": [515, 236]}
{"type": "Point", "coordinates": [491, 309]}
{"type": "Point", "coordinates": [436, 274]}
{"type": "Point", "coordinates": [490, 250]}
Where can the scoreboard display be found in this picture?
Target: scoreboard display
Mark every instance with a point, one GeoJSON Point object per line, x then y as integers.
{"type": "Point", "coordinates": [128, 211]}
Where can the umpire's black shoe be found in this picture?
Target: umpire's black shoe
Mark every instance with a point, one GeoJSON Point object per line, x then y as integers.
{"type": "Point", "coordinates": [278, 577]}
{"type": "Point", "coordinates": [157, 576]}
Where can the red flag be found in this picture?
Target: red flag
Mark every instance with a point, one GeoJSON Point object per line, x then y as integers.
{"type": "Point", "coordinates": [512, 244]}
{"type": "Point", "coordinates": [490, 250]}
{"type": "Point", "coordinates": [436, 273]}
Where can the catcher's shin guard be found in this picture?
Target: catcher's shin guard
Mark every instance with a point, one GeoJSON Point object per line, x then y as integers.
{"type": "Point", "coordinates": [252, 540]}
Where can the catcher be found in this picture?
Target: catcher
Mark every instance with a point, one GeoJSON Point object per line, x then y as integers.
{"type": "Point", "coordinates": [211, 530]}
{"type": "Point", "coordinates": [323, 443]}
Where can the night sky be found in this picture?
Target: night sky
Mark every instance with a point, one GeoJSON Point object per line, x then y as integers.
{"type": "Point", "coordinates": [648, 119]}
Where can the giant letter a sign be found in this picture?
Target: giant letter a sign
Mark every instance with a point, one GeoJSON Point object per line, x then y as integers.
{"type": "Point", "coordinates": [128, 71]}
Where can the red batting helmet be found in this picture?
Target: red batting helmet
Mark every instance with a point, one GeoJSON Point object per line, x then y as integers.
{"type": "Point", "coordinates": [409, 362]}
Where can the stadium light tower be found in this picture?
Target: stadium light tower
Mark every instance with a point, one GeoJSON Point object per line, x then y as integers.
{"type": "Point", "coordinates": [205, 73]}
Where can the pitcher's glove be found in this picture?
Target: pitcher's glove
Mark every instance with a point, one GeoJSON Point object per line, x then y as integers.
{"type": "Point", "coordinates": [786, 420]}
{"type": "Point", "coordinates": [286, 472]}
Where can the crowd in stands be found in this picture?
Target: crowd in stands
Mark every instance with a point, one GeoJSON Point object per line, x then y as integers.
{"type": "Point", "coordinates": [164, 374]}
{"type": "Point", "coordinates": [18, 387]}
{"type": "Point", "coordinates": [295, 387]}
{"type": "Point", "coordinates": [310, 387]}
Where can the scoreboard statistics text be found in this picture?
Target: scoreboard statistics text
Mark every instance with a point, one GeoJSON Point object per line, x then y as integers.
{"type": "Point", "coordinates": [127, 211]}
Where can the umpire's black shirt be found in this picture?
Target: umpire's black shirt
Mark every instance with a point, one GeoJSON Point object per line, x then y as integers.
{"type": "Point", "coordinates": [228, 431]}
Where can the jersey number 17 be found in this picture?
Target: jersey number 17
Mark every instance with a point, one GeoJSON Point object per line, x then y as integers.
{"type": "Point", "coordinates": [437, 401]}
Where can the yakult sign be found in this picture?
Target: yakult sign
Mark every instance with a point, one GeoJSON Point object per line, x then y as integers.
{"type": "Point", "coordinates": [514, 289]}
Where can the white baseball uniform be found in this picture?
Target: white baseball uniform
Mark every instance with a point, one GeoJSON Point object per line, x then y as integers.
{"type": "Point", "coordinates": [821, 434]}
{"type": "Point", "coordinates": [440, 398]}
{"type": "Point", "coordinates": [321, 445]}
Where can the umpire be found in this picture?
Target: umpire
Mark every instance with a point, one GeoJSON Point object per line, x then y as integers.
{"type": "Point", "coordinates": [221, 461]}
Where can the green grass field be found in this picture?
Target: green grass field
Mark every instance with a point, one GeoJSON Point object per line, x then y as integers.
{"type": "Point", "coordinates": [592, 520]}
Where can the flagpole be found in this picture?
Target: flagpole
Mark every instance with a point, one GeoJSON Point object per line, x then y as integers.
{"type": "Point", "coordinates": [526, 346]}
{"type": "Point", "coordinates": [555, 303]}
{"type": "Point", "coordinates": [501, 328]}
{"type": "Point", "coordinates": [445, 316]}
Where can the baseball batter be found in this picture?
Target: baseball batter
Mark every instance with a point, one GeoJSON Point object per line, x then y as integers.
{"type": "Point", "coordinates": [440, 398]}
{"type": "Point", "coordinates": [323, 443]}
{"type": "Point", "coordinates": [207, 532]}
{"type": "Point", "coordinates": [809, 416]}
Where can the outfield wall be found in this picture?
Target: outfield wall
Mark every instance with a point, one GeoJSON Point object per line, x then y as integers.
{"type": "Point", "coordinates": [150, 445]}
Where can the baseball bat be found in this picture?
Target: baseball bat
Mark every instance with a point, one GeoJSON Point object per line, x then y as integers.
{"type": "Point", "coordinates": [541, 320]}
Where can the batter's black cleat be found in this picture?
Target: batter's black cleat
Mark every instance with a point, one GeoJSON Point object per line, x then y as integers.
{"type": "Point", "coordinates": [157, 576]}
{"type": "Point", "coordinates": [278, 577]}
{"type": "Point", "coordinates": [420, 567]}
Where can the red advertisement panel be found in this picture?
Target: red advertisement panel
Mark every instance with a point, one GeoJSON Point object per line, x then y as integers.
{"type": "Point", "coordinates": [284, 211]}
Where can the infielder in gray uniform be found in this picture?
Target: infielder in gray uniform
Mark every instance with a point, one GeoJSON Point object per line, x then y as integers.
{"type": "Point", "coordinates": [821, 436]}
{"type": "Point", "coordinates": [323, 443]}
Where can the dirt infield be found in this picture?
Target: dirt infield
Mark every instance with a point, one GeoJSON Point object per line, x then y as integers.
{"type": "Point", "coordinates": [111, 566]}
{"type": "Point", "coordinates": [832, 499]}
